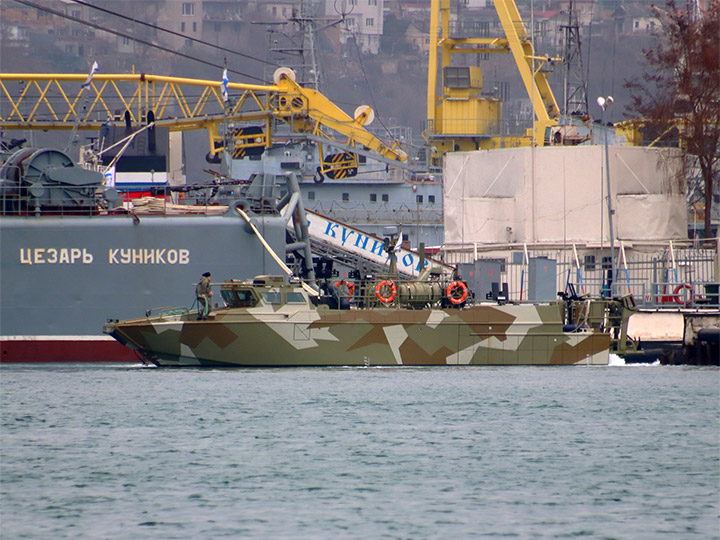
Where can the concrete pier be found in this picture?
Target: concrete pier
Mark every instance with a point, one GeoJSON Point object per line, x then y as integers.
{"type": "Point", "coordinates": [678, 336]}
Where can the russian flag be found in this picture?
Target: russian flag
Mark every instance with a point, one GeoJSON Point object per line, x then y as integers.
{"type": "Point", "coordinates": [225, 82]}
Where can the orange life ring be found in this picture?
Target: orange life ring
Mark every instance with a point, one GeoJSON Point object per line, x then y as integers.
{"type": "Point", "coordinates": [386, 291]}
{"type": "Point", "coordinates": [457, 292]}
{"type": "Point", "coordinates": [679, 298]}
{"type": "Point", "coordinates": [350, 286]}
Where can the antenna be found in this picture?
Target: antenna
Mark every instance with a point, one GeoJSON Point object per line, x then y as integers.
{"type": "Point", "coordinates": [575, 101]}
{"type": "Point", "coordinates": [293, 42]}
{"type": "Point", "coordinates": [306, 18]}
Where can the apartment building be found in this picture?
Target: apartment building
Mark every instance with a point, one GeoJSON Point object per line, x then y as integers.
{"type": "Point", "coordinates": [184, 17]}
{"type": "Point", "coordinates": [363, 26]}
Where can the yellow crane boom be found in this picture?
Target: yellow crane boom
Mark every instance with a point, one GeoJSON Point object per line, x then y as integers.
{"type": "Point", "coordinates": [55, 101]}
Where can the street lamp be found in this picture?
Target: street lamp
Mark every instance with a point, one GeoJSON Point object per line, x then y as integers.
{"type": "Point", "coordinates": [604, 103]}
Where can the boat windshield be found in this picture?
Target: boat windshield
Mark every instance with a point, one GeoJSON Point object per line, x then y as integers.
{"type": "Point", "coordinates": [295, 298]}
{"type": "Point", "coordinates": [272, 297]}
{"type": "Point", "coordinates": [236, 299]}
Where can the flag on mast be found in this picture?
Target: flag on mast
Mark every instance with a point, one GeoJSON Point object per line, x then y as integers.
{"type": "Point", "coordinates": [225, 82]}
{"type": "Point", "coordinates": [93, 70]}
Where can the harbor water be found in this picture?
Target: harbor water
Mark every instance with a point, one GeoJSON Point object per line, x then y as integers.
{"type": "Point", "coordinates": [128, 452]}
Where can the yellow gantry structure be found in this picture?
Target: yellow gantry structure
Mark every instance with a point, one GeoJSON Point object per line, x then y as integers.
{"type": "Point", "coordinates": [69, 101]}
{"type": "Point", "coordinates": [459, 117]}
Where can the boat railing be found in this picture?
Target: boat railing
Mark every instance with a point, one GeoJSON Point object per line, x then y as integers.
{"type": "Point", "coordinates": [44, 199]}
{"type": "Point", "coordinates": [600, 289]}
{"type": "Point", "coordinates": [392, 291]}
{"type": "Point", "coordinates": [92, 166]}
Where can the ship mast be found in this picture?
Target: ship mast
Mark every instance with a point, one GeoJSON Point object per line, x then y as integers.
{"type": "Point", "coordinates": [575, 101]}
{"type": "Point", "coordinates": [294, 45]}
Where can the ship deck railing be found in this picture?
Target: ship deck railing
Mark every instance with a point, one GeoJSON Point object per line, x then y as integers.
{"type": "Point", "coordinates": [66, 201]}
{"type": "Point", "coordinates": [381, 212]}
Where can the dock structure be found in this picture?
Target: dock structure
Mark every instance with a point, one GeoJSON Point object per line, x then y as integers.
{"type": "Point", "coordinates": [675, 284]}
{"type": "Point", "coordinates": [678, 335]}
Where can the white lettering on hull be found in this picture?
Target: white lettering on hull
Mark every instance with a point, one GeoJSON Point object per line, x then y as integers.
{"type": "Point", "coordinates": [55, 256]}
{"type": "Point", "coordinates": [152, 256]}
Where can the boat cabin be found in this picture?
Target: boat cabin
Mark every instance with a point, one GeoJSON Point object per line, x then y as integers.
{"type": "Point", "coordinates": [271, 290]}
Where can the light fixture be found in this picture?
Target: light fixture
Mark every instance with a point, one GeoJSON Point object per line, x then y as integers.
{"type": "Point", "coordinates": [604, 103]}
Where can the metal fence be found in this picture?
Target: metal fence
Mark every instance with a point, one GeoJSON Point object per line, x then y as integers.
{"type": "Point", "coordinates": [671, 275]}
{"type": "Point", "coordinates": [46, 199]}
{"type": "Point", "coordinates": [405, 213]}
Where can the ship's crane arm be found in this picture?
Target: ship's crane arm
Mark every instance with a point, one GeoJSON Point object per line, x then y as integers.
{"type": "Point", "coordinates": [50, 101]}
{"type": "Point", "coordinates": [328, 116]}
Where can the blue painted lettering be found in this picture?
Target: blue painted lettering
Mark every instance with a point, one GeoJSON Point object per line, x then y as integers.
{"type": "Point", "coordinates": [377, 247]}
{"type": "Point", "coordinates": [330, 230]}
{"type": "Point", "coordinates": [361, 238]}
{"type": "Point", "coordinates": [346, 233]}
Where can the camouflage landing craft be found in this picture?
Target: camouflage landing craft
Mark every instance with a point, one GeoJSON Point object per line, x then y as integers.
{"type": "Point", "coordinates": [267, 322]}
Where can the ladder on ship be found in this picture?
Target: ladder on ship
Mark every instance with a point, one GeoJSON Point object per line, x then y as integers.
{"type": "Point", "coordinates": [357, 265]}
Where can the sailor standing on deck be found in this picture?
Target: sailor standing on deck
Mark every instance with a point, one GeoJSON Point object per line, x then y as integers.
{"type": "Point", "coordinates": [204, 294]}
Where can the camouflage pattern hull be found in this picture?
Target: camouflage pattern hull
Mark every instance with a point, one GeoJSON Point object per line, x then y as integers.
{"type": "Point", "coordinates": [306, 335]}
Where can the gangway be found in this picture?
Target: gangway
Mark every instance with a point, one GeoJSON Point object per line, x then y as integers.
{"type": "Point", "coordinates": [358, 249]}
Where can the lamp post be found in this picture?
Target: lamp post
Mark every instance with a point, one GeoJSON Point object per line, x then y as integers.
{"type": "Point", "coordinates": [604, 103]}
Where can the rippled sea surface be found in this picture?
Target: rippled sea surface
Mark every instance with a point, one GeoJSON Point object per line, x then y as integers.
{"type": "Point", "coordinates": [128, 452]}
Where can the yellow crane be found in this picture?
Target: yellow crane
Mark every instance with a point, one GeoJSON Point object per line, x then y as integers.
{"type": "Point", "coordinates": [459, 116]}
{"type": "Point", "coordinates": [69, 101]}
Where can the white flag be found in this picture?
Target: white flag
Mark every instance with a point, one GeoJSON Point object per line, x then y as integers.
{"type": "Point", "coordinates": [110, 177]}
{"type": "Point", "coordinates": [93, 71]}
{"type": "Point", "coordinates": [225, 82]}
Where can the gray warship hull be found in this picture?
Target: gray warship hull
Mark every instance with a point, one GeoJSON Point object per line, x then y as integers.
{"type": "Point", "coordinates": [63, 277]}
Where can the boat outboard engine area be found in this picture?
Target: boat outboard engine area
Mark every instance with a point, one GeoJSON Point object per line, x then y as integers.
{"type": "Point", "coordinates": [47, 181]}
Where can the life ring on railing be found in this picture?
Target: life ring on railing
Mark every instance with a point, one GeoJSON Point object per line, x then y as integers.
{"type": "Point", "coordinates": [386, 291]}
{"type": "Point", "coordinates": [683, 300]}
{"type": "Point", "coordinates": [350, 288]}
{"type": "Point", "coordinates": [457, 292]}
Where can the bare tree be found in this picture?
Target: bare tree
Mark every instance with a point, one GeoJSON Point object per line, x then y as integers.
{"type": "Point", "coordinates": [678, 95]}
